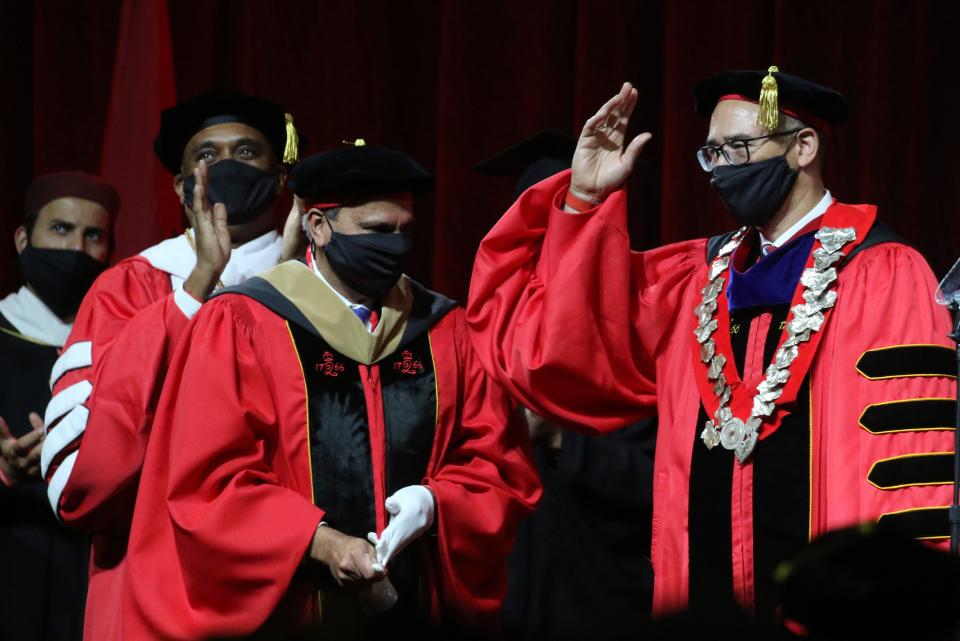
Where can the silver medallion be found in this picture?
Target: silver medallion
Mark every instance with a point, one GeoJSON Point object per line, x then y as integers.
{"type": "Point", "coordinates": [731, 433]}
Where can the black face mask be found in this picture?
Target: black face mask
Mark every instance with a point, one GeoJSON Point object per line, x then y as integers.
{"type": "Point", "coordinates": [60, 277]}
{"type": "Point", "coordinates": [243, 189]}
{"type": "Point", "coordinates": [369, 263]}
{"type": "Point", "coordinates": [754, 192]}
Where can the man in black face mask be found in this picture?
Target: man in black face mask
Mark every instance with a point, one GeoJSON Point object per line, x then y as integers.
{"type": "Point", "coordinates": [357, 463]}
{"type": "Point", "coordinates": [63, 245]}
{"type": "Point", "coordinates": [788, 404]}
{"type": "Point", "coordinates": [228, 154]}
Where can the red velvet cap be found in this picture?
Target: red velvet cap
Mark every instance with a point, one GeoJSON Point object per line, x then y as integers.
{"type": "Point", "coordinates": [71, 184]}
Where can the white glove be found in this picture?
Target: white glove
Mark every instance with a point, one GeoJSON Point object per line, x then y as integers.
{"type": "Point", "coordinates": [411, 514]}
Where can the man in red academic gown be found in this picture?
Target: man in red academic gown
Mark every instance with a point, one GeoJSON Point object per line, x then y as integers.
{"type": "Point", "coordinates": [799, 366]}
{"type": "Point", "coordinates": [229, 148]}
{"type": "Point", "coordinates": [327, 448]}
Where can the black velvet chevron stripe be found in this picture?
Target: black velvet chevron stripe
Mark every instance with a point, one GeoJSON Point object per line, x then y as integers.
{"type": "Point", "coordinates": [909, 416]}
{"type": "Point", "coordinates": [922, 523]}
{"type": "Point", "coordinates": [915, 469]}
{"type": "Point", "coordinates": [908, 360]}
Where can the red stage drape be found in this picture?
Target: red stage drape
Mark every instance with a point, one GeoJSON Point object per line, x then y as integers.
{"type": "Point", "coordinates": [451, 82]}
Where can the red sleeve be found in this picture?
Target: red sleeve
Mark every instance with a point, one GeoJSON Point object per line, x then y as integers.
{"type": "Point", "coordinates": [484, 480]}
{"type": "Point", "coordinates": [885, 300]}
{"type": "Point", "coordinates": [218, 532]}
{"type": "Point", "coordinates": [566, 317]}
{"type": "Point", "coordinates": [105, 385]}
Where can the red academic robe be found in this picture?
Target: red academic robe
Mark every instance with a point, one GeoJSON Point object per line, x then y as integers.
{"type": "Point", "coordinates": [106, 404]}
{"type": "Point", "coordinates": [225, 512]}
{"type": "Point", "coordinates": [105, 385]}
{"type": "Point", "coordinates": [579, 327]}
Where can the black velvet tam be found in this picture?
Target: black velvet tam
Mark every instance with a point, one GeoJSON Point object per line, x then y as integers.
{"type": "Point", "coordinates": [358, 170]}
{"type": "Point", "coordinates": [179, 123]}
{"type": "Point", "coordinates": [808, 101]}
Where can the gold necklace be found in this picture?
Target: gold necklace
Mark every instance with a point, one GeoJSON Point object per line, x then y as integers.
{"type": "Point", "coordinates": [193, 246]}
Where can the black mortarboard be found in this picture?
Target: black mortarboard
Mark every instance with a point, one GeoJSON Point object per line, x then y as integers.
{"type": "Point", "coordinates": [359, 170]}
{"type": "Point", "coordinates": [179, 124]}
{"type": "Point", "coordinates": [532, 159]}
{"type": "Point", "coordinates": [807, 101]}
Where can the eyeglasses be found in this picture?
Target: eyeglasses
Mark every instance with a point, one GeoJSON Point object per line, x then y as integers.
{"type": "Point", "coordinates": [735, 152]}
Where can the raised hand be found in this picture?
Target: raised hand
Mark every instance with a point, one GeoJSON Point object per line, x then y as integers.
{"type": "Point", "coordinates": [602, 162]}
{"type": "Point", "coordinates": [211, 236]}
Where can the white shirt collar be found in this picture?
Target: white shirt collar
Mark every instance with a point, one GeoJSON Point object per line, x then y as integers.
{"type": "Point", "coordinates": [32, 318]}
{"type": "Point", "coordinates": [177, 257]}
{"type": "Point", "coordinates": [346, 301]}
{"type": "Point", "coordinates": [817, 211]}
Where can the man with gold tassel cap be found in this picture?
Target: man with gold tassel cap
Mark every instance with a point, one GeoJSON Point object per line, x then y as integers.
{"type": "Point", "coordinates": [327, 437]}
{"type": "Point", "coordinates": [789, 403]}
{"type": "Point", "coordinates": [228, 154]}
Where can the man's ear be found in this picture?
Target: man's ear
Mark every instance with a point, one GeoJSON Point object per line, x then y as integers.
{"type": "Point", "coordinates": [319, 229]}
{"type": "Point", "coordinates": [282, 176]}
{"type": "Point", "coordinates": [808, 147]}
{"type": "Point", "coordinates": [178, 186]}
{"type": "Point", "coordinates": [21, 239]}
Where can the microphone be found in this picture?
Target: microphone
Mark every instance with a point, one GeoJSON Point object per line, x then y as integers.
{"type": "Point", "coordinates": [948, 292]}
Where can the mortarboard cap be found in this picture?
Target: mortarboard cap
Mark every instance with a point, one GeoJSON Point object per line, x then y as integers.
{"type": "Point", "coordinates": [181, 122]}
{"type": "Point", "coordinates": [71, 184]}
{"type": "Point", "coordinates": [807, 101]}
{"type": "Point", "coordinates": [357, 170]}
{"type": "Point", "coordinates": [532, 159]}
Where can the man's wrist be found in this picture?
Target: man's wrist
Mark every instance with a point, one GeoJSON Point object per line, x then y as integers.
{"type": "Point", "coordinates": [578, 201]}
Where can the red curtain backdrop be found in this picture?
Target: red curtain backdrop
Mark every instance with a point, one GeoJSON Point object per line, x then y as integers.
{"type": "Point", "coordinates": [142, 87]}
{"type": "Point", "coordinates": [451, 82]}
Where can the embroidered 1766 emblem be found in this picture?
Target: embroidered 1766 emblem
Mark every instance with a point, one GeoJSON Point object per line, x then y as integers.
{"type": "Point", "coordinates": [328, 367]}
{"type": "Point", "coordinates": [408, 364]}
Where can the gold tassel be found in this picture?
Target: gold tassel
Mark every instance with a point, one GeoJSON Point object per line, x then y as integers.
{"type": "Point", "coordinates": [769, 115]}
{"type": "Point", "coordinates": [291, 151]}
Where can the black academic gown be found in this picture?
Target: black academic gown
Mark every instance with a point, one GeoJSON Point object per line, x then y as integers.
{"type": "Point", "coordinates": [580, 566]}
{"type": "Point", "coordinates": [44, 570]}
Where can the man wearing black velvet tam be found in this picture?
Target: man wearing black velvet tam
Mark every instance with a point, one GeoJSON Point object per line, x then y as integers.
{"type": "Point", "coordinates": [799, 366]}
{"type": "Point", "coordinates": [228, 154]}
{"type": "Point", "coordinates": [62, 246]}
{"type": "Point", "coordinates": [358, 466]}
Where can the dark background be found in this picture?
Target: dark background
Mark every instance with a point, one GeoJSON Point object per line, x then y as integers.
{"type": "Point", "coordinates": [451, 82]}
